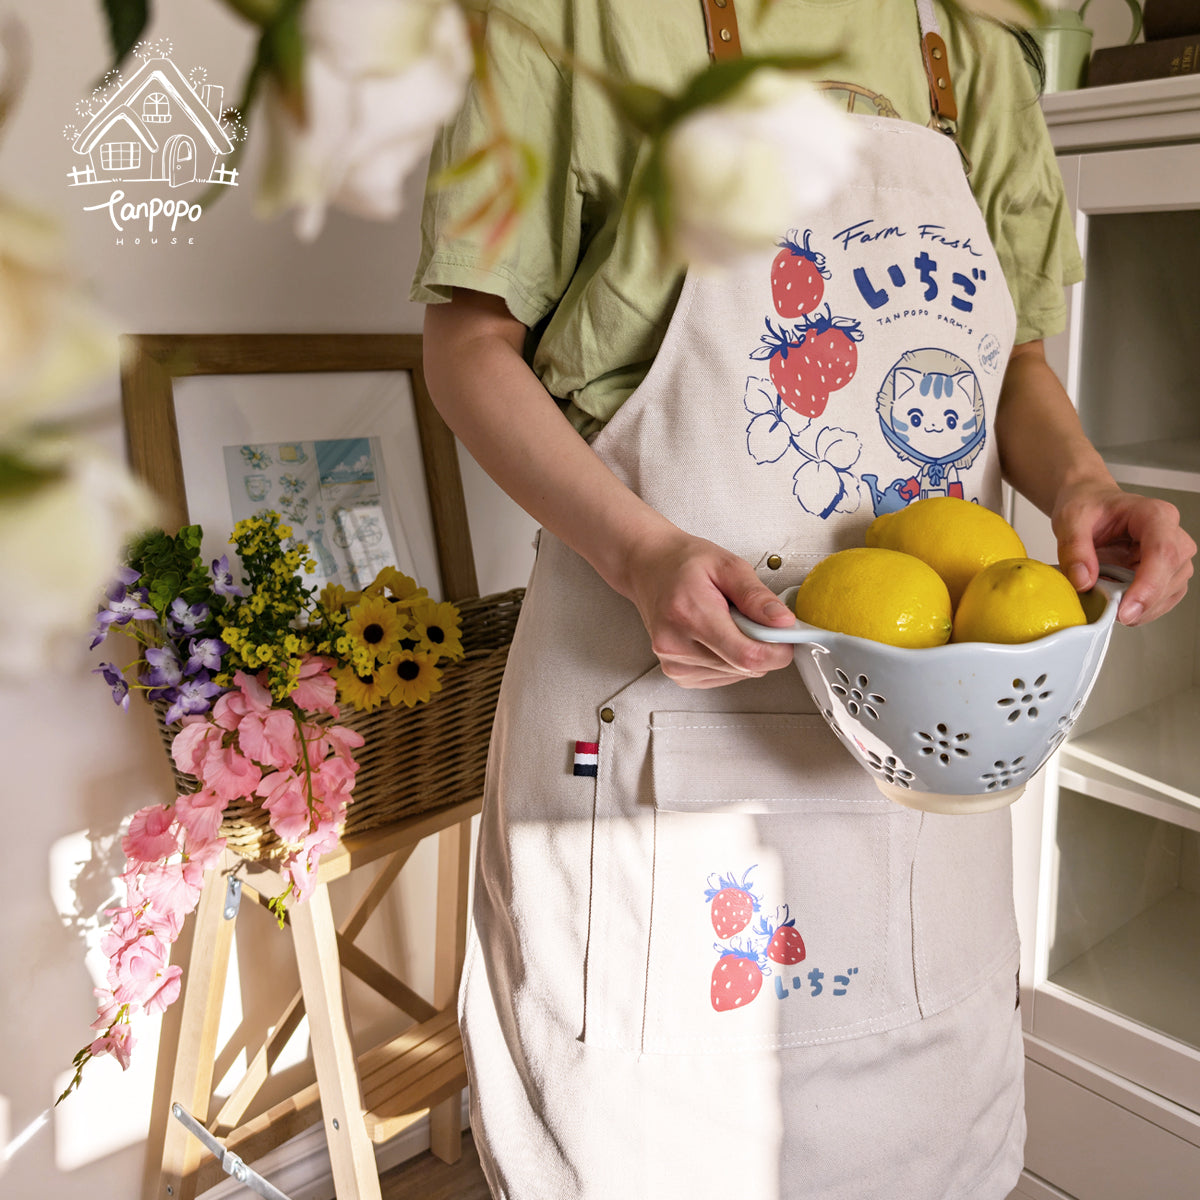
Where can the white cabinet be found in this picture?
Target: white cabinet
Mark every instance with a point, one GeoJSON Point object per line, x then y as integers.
{"type": "Point", "coordinates": [1110, 895]}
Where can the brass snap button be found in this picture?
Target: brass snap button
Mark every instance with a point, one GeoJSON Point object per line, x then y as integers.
{"type": "Point", "coordinates": [607, 716]}
{"type": "Point", "coordinates": [774, 562]}
{"type": "Point", "coordinates": [726, 36]}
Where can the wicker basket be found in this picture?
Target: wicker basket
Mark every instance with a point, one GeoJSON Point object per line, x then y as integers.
{"type": "Point", "coordinates": [417, 759]}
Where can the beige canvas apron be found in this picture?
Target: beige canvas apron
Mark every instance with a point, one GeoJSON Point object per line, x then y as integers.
{"type": "Point", "coordinates": [708, 958]}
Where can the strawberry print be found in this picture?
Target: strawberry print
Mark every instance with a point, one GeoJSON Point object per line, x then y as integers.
{"type": "Point", "coordinates": [736, 979]}
{"type": "Point", "coordinates": [784, 943]}
{"type": "Point", "coordinates": [733, 903]}
{"type": "Point", "coordinates": [798, 276]}
{"type": "Point", "coordinates": [812, 361]}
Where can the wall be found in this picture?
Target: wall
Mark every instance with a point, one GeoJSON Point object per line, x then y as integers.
{"type": "Point", "coordinates": [74, 765]}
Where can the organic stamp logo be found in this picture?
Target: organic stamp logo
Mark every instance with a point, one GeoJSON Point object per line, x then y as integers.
{"type": "Point", "coordinates": [154, 130]}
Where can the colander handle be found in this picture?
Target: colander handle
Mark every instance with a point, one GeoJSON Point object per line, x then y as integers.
{"type": "Point", "coordinates": [798, 634]}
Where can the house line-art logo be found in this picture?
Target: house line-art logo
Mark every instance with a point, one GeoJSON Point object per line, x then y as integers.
{"type": "Point", "coordinates": [144, 136]}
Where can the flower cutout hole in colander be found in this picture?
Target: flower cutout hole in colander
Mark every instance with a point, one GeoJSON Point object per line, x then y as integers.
{"type": "Point", "coordinates": [891, 768]}
{"type": "Point", "coordinates": [1003, 774]}
{"type": "Point", "coordinates": [855, 694]}
{"type": "Point", "coordinates": [943, 745]}
{"type": "Point", "coordinates": [1025, 699]}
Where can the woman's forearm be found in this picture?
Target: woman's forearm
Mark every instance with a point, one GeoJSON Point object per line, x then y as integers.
{"type": "Point", "coordinates": [681, 585]}
{"type": "Point", "coordinates": [1047, 457]}
{"type": "Point", "coordinates": [502, 414]}
{"type": "Point", "coordinates": [1043, 449]}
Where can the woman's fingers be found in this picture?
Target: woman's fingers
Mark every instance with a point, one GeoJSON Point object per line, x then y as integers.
{"type": "Point", "coordinates": [684, 600]}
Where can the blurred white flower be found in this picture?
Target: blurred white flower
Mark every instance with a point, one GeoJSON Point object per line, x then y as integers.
{"type": "Point", "coordinates": [61, 544]}
{"type": "Point", "coordinates": [380, 78]}
{"type": "Point", "coordinates": [744, 170]}
{"type": "Point", "coordinates": [52, 343]}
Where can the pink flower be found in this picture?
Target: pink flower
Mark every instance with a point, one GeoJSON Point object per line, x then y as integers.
{"type": "Point", "coordinates": [200, 815]}
{"type": "Point", "coordinates": [152, 834]}
{"type": "Point", "coordinates": [343, 741]}
{"type": "Point", "coordinates": [251, 697]}
{"type": "Point", "coordinates": [134, 969]}
{"type": "Point", "coordinates": [229, 774]}
{"type": "Point", "coordinates": [166, 992]}
{"type": "Point", "coordinates": [316, 691]}
{"type": "Point", "coordinates": [106, 1008]}
{"type": "Point", "coordinates": [118, 1042]}
{"type": "Point", "coordinates": [206, 852]}
{"type": "Point", "coordinates": [193, 743]}
{"type": "Point", "coordinates": [173, 888]}
{"type": "Point", "coordinates": [270, 739]}
{"type": "Point", "coordinates": [284, 798]}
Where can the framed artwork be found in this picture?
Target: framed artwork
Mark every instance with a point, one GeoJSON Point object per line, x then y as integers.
{"type": "Point", "coordinates": [336, 432]}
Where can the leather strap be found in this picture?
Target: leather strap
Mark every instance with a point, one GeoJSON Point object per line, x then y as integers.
{"type": "Point", "coordinates": [720, 20]}
{"type": "Point", "coordinates": [937, 71]}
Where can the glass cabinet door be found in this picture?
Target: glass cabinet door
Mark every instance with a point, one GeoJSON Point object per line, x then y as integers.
{"type": "Point", "coordinates": [1117, 962]}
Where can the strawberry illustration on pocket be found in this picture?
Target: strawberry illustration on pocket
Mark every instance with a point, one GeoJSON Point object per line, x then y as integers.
{"type": "Point", "coordinates": [733, 903]}
{"type": "Point", "coordinates": [784, 943]}
{"type": "Point", "coordinates": [737, 978]}
{"type": "Point", "coordinates": [798, 276]}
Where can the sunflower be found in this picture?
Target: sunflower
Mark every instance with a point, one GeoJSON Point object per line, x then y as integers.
{"type": "Point", "coordinates": [403, 588]}
{"type": "Point", "coordinates": [438, 629]}
{"type": "Point", "coordinates": [376, 627]}
{"type": "Point", "coordinates": [333, 597]}
{"type": "Point", "coordinates": [417, 678]}
{"type": "Point", "coordinates": [364, 691]}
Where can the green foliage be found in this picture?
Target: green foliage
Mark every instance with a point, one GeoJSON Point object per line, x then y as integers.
{"type": "Point", "coordinates": [127, 21]}
{"type": "Point", "coordinates": [171, 566]}
{"type": "Point", "coordinates": [19, 478]}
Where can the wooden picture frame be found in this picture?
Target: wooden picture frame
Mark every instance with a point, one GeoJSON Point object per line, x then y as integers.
{"type": "Point", "coordinates": [152, 362]}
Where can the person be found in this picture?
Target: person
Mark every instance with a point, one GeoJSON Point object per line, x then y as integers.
{"type": "Point", "coordinates": [695, 971]}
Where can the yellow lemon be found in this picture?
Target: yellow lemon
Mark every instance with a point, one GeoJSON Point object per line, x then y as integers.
{"type": "Point", "coordinates": [955, 537]}
{"type": "Point", "coordinates": [1016, 600]}
{"type": "Point", "coordinates": [878, 594]}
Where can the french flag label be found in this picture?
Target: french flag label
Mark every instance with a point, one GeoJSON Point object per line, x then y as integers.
{"type": "Point", "coordinates": [587, 758]}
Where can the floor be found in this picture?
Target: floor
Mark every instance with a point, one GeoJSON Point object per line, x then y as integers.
{"type": "Point", "coordinates": [428, 1178]}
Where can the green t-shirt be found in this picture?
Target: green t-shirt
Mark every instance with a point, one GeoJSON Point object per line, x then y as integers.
{"type": "Point", "coordinates": [583, 269]}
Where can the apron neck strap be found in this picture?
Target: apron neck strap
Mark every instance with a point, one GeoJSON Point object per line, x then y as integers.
{"type": "Point", "coordinates": [937, 69]}
{"type": "Point", "coordinates": [720, 22]}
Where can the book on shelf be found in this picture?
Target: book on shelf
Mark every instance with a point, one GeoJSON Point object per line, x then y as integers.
{"type": "Point", "coordinates": [1170, 18]}
{"type": "Point", "coordinates": [1145, 60]}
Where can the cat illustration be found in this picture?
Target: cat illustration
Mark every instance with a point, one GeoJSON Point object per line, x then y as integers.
{"type": "Point", "coordinates": [931, 414]}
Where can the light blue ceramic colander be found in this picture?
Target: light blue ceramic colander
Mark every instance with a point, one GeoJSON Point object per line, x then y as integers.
{"type": "Point", "coordinates": [957, 728]}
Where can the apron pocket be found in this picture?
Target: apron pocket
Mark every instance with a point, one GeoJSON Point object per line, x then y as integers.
{"type": "Point", "coordinates": [750, 885]}
{"type": "Point", "coordinates": [780, 909]}
{"type": "Point", "coordinates": [755, 763]}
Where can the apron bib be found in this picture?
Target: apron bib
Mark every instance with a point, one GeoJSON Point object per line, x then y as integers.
{"type": "Point", "coordinates": [701, 935]}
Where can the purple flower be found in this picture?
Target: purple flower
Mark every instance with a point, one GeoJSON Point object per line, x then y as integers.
{"type": "Point", "coordinates": [165, 671]}
{"type": "Point", "coordinates": [123, 605]}
{"type": "Point", "coordinates": [192, 696]}
{"type": "Point", "coordinates": [204, 654]}
{"type": "Point", "coordinates": [116, 681]}
{"type": "Point", "coordinates": [223, 583]}
{"type": "Point", "coordinates": [184, 618]}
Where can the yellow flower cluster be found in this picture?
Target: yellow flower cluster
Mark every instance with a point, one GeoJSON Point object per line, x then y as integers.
{"type": "Point", "coordinates": [391, 640]}
{"type": "Point", "coordinates": [265, 630]}
{"type": "Point", "coordinates": [386, 642]}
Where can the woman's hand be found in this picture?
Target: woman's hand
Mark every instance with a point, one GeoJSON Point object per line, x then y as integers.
{"type": "Point", "coordinates": [682, 587]}
{"type": "Point", "coordinates": [1097, 523]}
